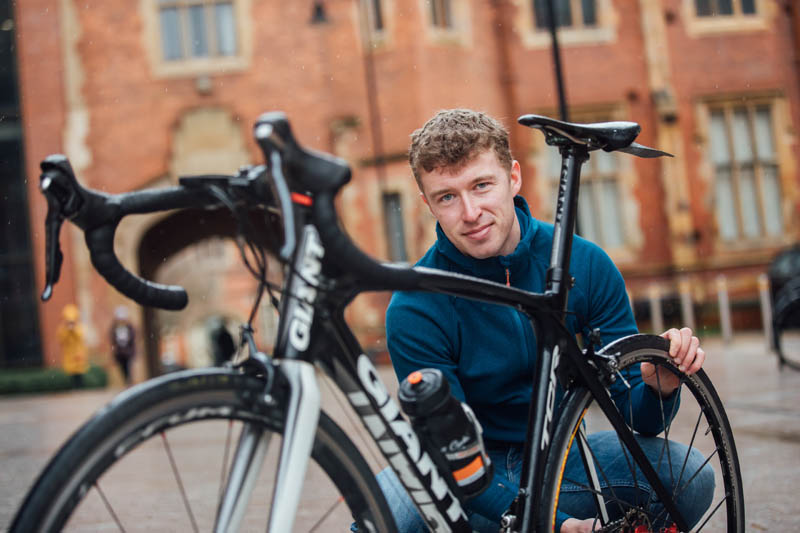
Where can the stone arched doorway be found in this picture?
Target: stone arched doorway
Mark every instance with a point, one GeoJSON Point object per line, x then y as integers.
{"type": "Point", "coordinates": [195, 249]}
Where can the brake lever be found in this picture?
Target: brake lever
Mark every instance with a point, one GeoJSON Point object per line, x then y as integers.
{"type": "Point", "coordinates": [52, 228]}
{"type": "Point", "coordinates": [272, 144]}
{"type": "Point", "coordinates": [64, 200]}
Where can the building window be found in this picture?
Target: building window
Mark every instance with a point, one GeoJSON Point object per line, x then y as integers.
{"type": "Point", "coordinates": [194, 29]}
{"type": "Point", "coordinates": [712, 8]}
{"type": "Point", "coordinates": [599, 213]}
{"type": "Point", "coordinates": [568, 13]}
{"type": "Point", "coordinates": [600, 216]}
{"type": "Point", "coordinates": [393, 223]}
{"type": "Point", "coordinates": [448, 22]}
{"type": "Point", "coordinates": [374, 23]}
{"type": "Point", "coordinates": [374, 14]}
{"type": "Point", "coordinates": [441, 14]}
{"type": "Point", "coordinates": [746, 177]}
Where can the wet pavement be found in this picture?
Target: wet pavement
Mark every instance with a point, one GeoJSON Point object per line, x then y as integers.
{"type": "Point", "coordinates": [763, 404]}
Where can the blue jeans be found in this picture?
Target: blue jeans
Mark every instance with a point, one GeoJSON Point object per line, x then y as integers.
{"type": "Point", "coordinates": [575, 500]}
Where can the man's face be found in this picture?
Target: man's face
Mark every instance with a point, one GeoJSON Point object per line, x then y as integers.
{"type": "Point", "coordinates": [475, 205]}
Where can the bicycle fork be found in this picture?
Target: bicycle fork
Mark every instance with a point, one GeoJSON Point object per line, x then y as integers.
{"type": "Point", "coordinates": [302, 416]}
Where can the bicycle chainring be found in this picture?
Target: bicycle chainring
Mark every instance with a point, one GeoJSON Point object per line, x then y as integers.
{"type": "Point", "coordinates": [635, 521]}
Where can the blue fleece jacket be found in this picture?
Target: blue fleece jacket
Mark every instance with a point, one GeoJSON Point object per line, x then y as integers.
{"type": "Point", "coordinates": [487, 352]}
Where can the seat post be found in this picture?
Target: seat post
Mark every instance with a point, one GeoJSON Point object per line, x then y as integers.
{"type": "Point", "coordinates": [558, 279]}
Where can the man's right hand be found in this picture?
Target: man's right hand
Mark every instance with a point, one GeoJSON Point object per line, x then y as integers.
{"type": "Point", "coordinates": [573, 525]}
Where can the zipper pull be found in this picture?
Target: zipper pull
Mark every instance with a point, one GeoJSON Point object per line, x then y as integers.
{"type": "Point", "coordinates": [508, 278]}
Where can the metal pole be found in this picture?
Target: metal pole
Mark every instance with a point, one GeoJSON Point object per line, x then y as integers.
{"type": "Point", "coordinates": [724, 309]}
{"type": "Point", "coordinates": [766, 310]}
{"type": "Point", "coordinates": [373, 109]}
{"type": "Point", "coordinates": [562, 97]}
{"type": "Point", "coordinates": [687, 306]}
{"type": "Point", "coordinates": [656, 314]}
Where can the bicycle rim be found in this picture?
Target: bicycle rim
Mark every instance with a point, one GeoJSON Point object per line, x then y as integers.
{"type": "Point", "coordinates": [158, 456]}
{"type": "Point", "coordinates": [699, 423]}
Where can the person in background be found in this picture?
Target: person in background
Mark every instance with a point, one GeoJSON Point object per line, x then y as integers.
{"type": "Point", "coordinates": [222, 344]}
{"type": "Point", "coordinates": [123, 341]}
{"type": "Point", "coordinates": [74, 354]}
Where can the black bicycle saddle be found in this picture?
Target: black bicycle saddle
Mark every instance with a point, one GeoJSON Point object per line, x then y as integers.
{"type": "Point", "coordinates": [608, 136]}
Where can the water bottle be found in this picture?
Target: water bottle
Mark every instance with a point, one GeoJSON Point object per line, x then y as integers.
{"type": "Point", "coordinates": [448, 429]}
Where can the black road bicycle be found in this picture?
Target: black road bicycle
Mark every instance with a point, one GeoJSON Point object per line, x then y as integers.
{"type": "Point", "coordinates": [128, 467]}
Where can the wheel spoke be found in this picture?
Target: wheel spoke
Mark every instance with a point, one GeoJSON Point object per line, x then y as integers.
{"type": "Point", "coordinates": [602, 472]}
{"type": "Point", "coordinates": [666, 430]}
{"type": "Point", "coordinates": [108, 507]}
{"type": "Point", "coordinates": [689, 481]}
{"type": "Point", "coordinates": [688, 452]}
{"type": "Point", "coordinates": [723, 500]}
{"type": "Point", "coordinates": [224, 470]}
{"type": "Point", "coordinates": [631, 466]}
{"type": "Point", "coordinates": [619, 501]}
{"type": "Point", "coordinates": [180, 483]}
{"type": "Point", "coordinates": [699, 469]}
{"type": "Point", "coordinates": [591, 474]}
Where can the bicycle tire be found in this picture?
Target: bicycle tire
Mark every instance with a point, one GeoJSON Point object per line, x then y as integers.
{"type": "Point", "coordinates": [173, 404]}
{"type": "Point", "coordinates": [577, 413]}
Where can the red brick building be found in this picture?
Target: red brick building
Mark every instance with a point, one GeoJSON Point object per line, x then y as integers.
{"type": "Point", "coordinates": [139, 92]}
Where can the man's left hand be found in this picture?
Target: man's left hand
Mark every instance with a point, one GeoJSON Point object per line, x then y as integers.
{"type": "Point", "coordinates": [684, 348]}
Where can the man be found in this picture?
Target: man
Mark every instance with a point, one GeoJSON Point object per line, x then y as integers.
{"type": "Point", "coordinates": [123, 341]}
{"type": "Point", "coordinates": [72, 339]}
{"type": "Point", "coordinates": [463, 166]}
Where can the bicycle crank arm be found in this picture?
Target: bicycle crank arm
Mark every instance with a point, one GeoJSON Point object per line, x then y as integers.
{"type": "Point", "coordinates": [302, 417]}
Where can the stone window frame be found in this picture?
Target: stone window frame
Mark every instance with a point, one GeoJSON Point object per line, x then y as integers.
{"type": "Point", "coordinates": [702, 25]}
{"type": "Point", "coordinates": [379, 38]}
{"type": "Point", "coordinates": [605, 31]}
{"type": "Point", "coordinates": [441, 14]}
{"type": "Point", "coordinates": [197, 66]}
{"type": "Point", "coordinates": [458, 32]}
{"type": "Point", "coordinates": [547, 163]}
{"type": "Point", "coordinates": [784, 161]}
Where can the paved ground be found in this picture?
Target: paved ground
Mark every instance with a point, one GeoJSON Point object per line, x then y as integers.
{"type": "Point", "coordinates": [763, 404]}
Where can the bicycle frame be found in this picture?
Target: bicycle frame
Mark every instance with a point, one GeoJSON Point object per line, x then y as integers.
{"type": "Point", "coordinates": [319, 283]}
{"type": "Point", "coordinates": [312, 329]}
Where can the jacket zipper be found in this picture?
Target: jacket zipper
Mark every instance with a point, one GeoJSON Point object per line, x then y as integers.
{"type": "Point", "coordinates": [508, 278]}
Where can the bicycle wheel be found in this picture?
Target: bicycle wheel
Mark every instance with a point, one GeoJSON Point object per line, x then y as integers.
{"type": "Point", "coordinates": [157, 457]}
{"type": "Point", "coordinates": [786, 324]}
{"type": "Point", "coordinates": [694, 456]}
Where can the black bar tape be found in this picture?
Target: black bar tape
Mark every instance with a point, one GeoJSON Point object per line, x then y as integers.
{"type": "Point", "coordinates": [351, 259]}
{"type": "Point", "coordinates": [151, 201]}
{"type": "Point", "coordinates": [100, 241]}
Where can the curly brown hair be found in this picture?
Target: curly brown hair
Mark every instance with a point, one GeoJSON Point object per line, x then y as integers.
{"type": "Point", "coordinates": [453, 137]}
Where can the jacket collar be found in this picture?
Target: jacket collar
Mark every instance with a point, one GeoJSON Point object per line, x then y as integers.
{"type": "Point", "coordinates": [494, 268]}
